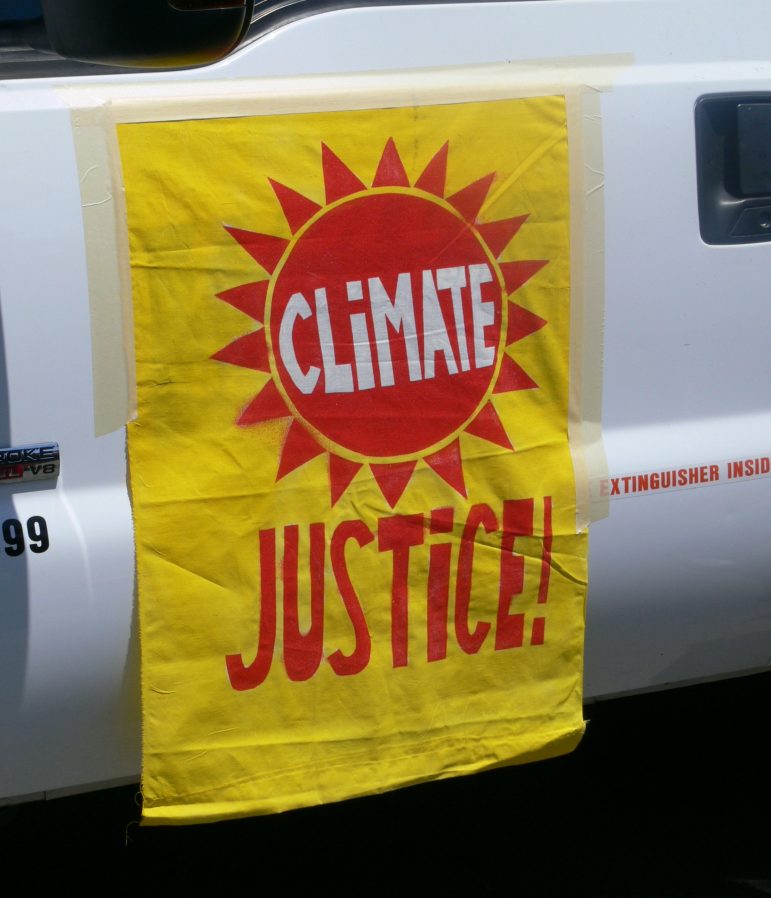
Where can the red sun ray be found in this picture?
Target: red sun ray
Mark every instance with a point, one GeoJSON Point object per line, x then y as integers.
{"type": "Point", "coordinates": [435, 173]}
{"type": "Point", "coordinates": [393, 479]}
{"type": "Point", "coordinates": [515, 274]}
{"type": "Point", "coordinates": [297, 208]}
{"type": "Point", "coordinates": [447, 463]}
{"type": "Point", "coordinates": [390, 170]}
{"type": "Point", "coordinates": [299, 447]}
{"type": "Point", "coordinates": [339, 180]}
{"type": "Point", "coordinates": [521, 324]}
{"type": "Point", "coordinates": [250, 351]}
{"type": "Point", "coordinates": [487, 426]}
{"type": "Point", "coordinates": [498, 234]}
{"type": "Point", "coordinates": [248, 298]}
{"type": "Point", "coordinates": [341, 473]}
{"type": "Point", "coordinates": [512, 378]}
{"type": "Point", "coordinates": [266, 405]}
{"type": "Point", "coordinates": [471, 199]}
{"type": "Point", "coordinates": [263, 248]}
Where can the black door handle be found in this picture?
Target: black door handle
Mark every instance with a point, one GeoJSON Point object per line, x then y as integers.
{"type": "Point", "coordinates": [733, 156]}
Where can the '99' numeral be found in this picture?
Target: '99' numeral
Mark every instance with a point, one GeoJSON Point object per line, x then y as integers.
{"type": "Point", "coordinates": [37, 535]}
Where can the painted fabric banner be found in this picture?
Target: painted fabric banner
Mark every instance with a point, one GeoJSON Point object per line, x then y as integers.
{"type": "Point", "coordinates": [354, 499]}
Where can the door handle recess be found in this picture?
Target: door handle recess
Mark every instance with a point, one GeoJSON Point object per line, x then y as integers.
{"type": "Point", "coordinates": [733, 156]}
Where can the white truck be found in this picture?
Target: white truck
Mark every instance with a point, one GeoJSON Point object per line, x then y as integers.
{"type": "Point", "coordinates": [680, 570]}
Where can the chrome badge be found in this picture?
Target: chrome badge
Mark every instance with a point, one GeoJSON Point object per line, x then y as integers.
{"type": "Point", "coordinates": [20, 464]}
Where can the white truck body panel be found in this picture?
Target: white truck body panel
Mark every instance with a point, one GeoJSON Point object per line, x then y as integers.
{"type": "Point", "coordinates": [680, 582]}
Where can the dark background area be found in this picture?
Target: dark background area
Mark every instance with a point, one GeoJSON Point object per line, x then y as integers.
{"type": "Point", "coordinates": [668, 795]}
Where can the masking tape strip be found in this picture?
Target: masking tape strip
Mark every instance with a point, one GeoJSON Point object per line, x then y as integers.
{"type": "Point", "coordinates": [587, 233]}
{"type": "Point", "coordinates": [106, 240]}
{"type": "Point", "coordinates": [181, 100]}
{"type": "Point", "coordinates": [96, 111]}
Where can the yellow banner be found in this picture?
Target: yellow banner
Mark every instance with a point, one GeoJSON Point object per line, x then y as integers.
{"type": "Point", "coordinates": [354, 500]}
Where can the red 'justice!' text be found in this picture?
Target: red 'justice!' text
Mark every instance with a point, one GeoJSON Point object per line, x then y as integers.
{"type": "Point", "coordinates": [400, 536]}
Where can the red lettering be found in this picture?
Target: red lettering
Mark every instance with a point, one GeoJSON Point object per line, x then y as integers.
{"type": "Point", "coordinates": [439, 557]}
{"type": "Point", "coordinates": [302, 652]}
{"type": "Point", "coordinates": [537, 631]}
{"type": "Point", "coordinates": [517, 521]}
{"type": "Point", "coordinates": [346, 665]}
{"type": "Point", "coordinates": [398, 534]}
{"type": "Point", "coordinates": [470, 642]}
{"type": "Point", "coordinates": [248, 676]}
{"type": "Point", "coordinates": [543, 586]}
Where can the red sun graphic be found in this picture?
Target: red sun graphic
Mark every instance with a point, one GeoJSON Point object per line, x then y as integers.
{"type": "Point", "coordinates": [386, 323]}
